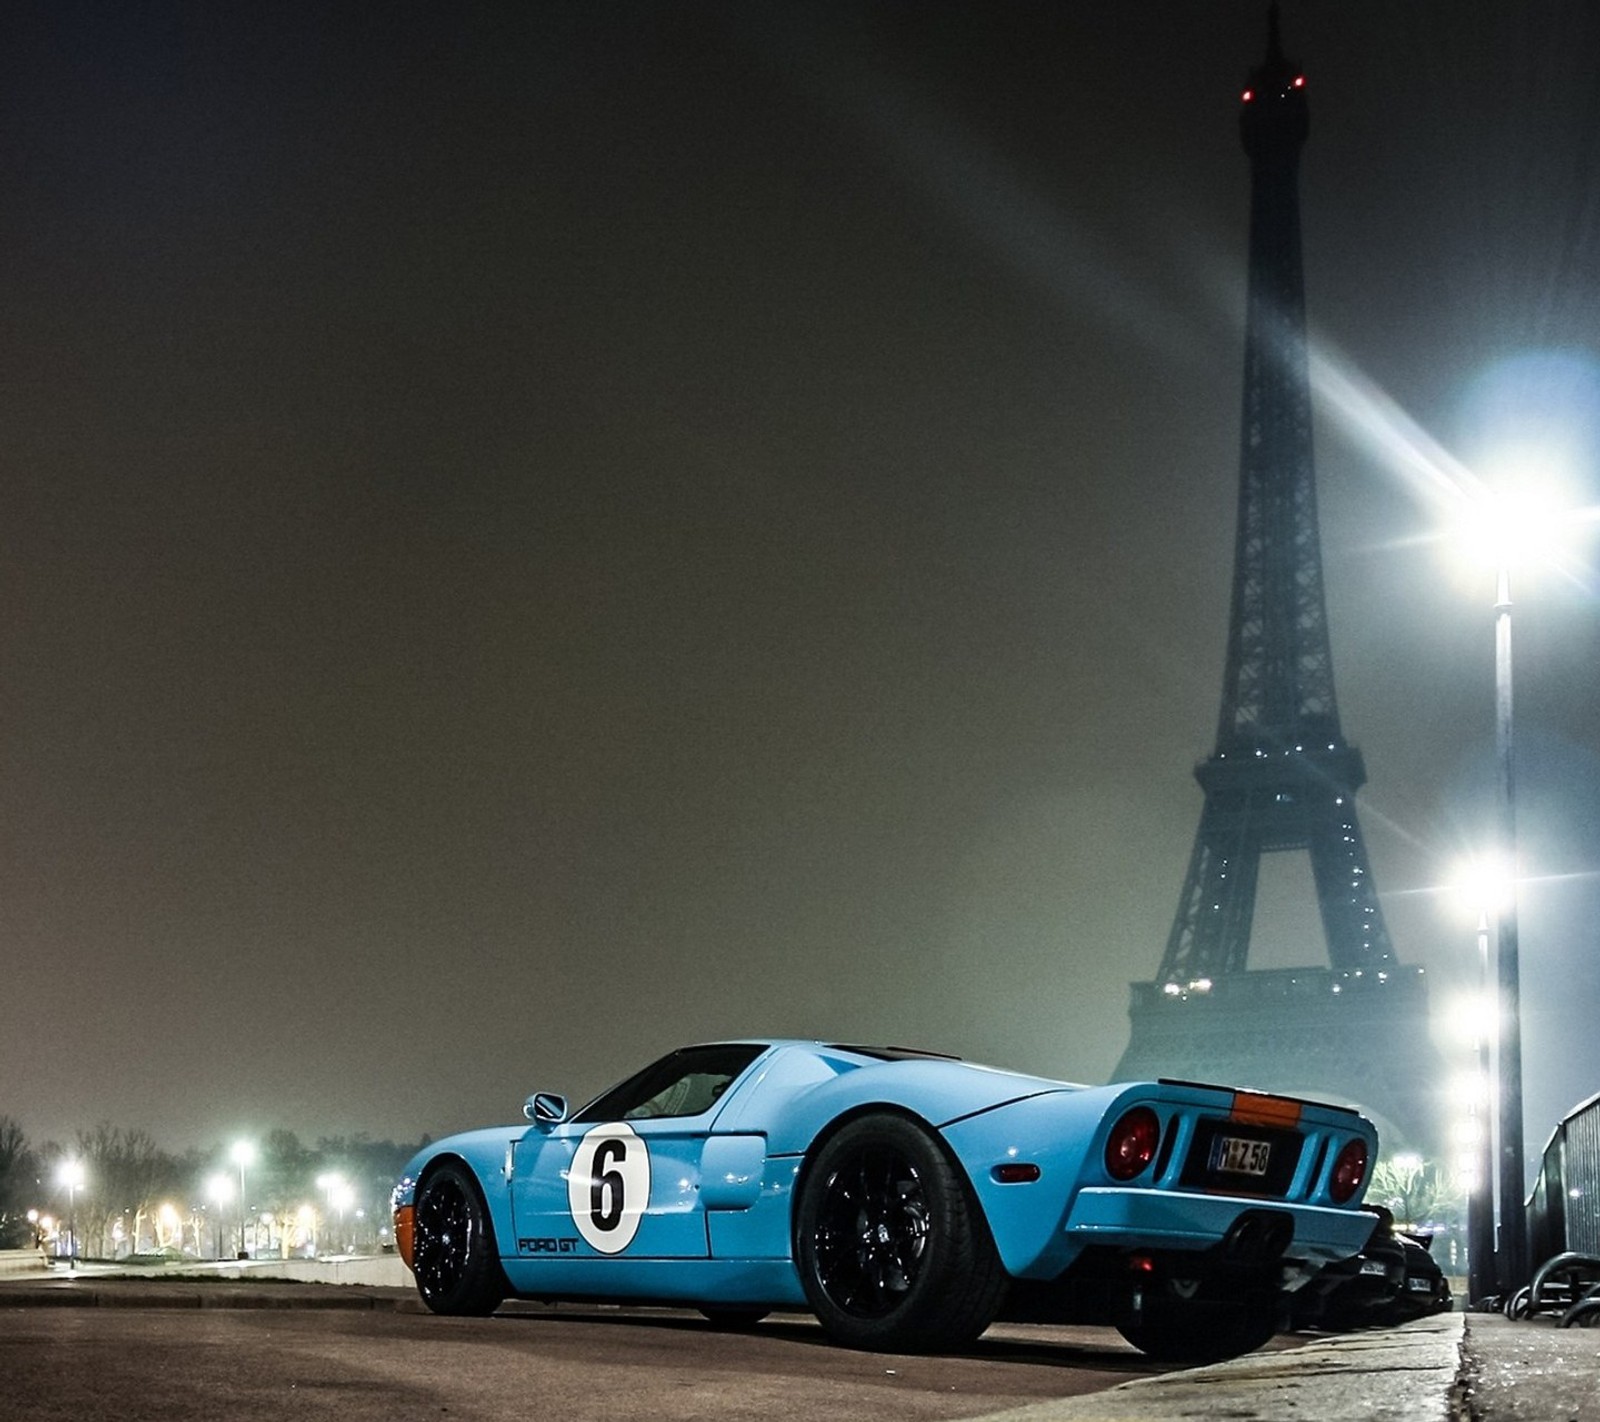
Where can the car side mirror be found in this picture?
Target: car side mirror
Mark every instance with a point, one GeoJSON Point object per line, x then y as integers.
{"type": "Point", "coordinates": [545, 1109]}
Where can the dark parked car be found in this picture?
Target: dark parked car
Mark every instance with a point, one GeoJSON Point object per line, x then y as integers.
{"type": "Point", "coordinates": [1395, 1278]}
{"type": "Point", "coordinates": [1426, 1289]}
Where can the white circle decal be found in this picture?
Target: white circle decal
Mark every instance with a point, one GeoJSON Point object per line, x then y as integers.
{"type": "Point", "coordinates": [608, 1186]}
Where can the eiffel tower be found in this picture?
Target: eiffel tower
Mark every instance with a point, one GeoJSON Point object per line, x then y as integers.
{"type": "Point", "coordinates": [1283, 778]}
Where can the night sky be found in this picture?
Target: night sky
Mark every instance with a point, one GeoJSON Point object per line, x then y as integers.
{"type": "Point", "coordinates": [532, 533]}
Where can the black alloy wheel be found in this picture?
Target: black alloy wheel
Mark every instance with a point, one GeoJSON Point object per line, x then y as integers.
{"type": "Point", "coordinates": [453, 1251]}
{"type": "Point", "coordinates": [894, 1252]}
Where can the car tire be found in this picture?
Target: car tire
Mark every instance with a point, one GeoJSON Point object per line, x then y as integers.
{"type": "Point", "coordinates": [454, 1258]}
{"type": "Point", "coordinates": [893, 1249]}
{"type": "Point", "coordinates": [1202, 1333]}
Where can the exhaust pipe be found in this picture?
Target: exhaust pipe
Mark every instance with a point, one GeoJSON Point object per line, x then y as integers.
{"type": "Point", "coordinates": [1257, 1237]}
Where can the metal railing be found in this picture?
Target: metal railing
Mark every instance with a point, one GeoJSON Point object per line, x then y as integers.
{"type": "Point", "coordinates": [1564, 1224]}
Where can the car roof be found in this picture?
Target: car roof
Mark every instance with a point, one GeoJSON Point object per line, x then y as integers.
{"type": "Point", "coordinates": [817, 1044]}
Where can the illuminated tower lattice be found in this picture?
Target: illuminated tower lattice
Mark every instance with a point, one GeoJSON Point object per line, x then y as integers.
{"type": "Point", "coordinates": [1282, 778]}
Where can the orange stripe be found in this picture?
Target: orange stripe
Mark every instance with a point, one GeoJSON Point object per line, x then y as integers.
{"type": "Point", "coordinates": [1251, 1108]}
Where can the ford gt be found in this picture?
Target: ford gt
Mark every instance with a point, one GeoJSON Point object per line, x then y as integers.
{"type": "Point", "coordinates": [906, 1199]}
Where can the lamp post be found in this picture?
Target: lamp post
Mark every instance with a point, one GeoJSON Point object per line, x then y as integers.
{"type": "Point", "coordinates": [1480, 1204]}
{"type": "Point", "coordinates": [219, 1190]}
{"type": "Point", "coordinates": [1510, 532]}
{"type": "Point", "coordinates": [72, 1177]}
{"type": "Point", "coordinates": [1481, 887]}
{"type": "Point", "coordinates": [243, 1154]}
{"type": "Point", "coordinates": [1513, 1218]}
{"type": "Point", "coordinates": [340, 1198]}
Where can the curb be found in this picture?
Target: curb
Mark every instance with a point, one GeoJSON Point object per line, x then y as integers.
{"type": "Point", "coordinates": [186, 1294]}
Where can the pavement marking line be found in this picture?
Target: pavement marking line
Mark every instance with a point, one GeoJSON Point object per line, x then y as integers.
{"type": "Point", "coordinates": [1400, 1374]}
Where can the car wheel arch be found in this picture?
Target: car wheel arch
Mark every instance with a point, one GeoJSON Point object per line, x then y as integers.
{"type": "Point", "coordinates": [499, 1218]}
{"type": "Point", "coordinates": [875, 1108]}
{"type": "Point", "coordinates": [459, 1162]}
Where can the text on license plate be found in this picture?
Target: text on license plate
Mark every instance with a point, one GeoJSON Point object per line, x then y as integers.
{"type": "Point", "coordinates": [1240, 1156]}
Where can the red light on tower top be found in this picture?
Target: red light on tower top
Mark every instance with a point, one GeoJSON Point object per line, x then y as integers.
{"type": "Point", "coordinates": [1272, 116]}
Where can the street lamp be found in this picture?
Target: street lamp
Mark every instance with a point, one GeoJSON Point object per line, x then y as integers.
{"type": "Point", "coordinates": [1480, 1205]}
{"type": "Point", "coordinates": [219, 1190]}
{"type": "Point", "coordinates": [1483, 888]}
{"type": "Point", "coordinates": [1508, 533]}
{"type": "Point", "coordinates": [340, 1198]}
{"type": "Point", "coordinates": [72, 1176]}
{"type": "Point", "coordinates": [243, 1154]}
{"type": "Point", "coordinates": [1513, 1176]}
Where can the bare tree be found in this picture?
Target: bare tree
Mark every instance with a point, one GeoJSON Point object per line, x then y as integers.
{"type": "Point", "coordinates": [126, 1175]}
{"type": "Point", "coordinates": [19, 1183]}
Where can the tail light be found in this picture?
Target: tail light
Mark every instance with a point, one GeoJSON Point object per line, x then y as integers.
{"type": "Point", "coordinates": [1132, 1143]}
{"type": "Point", "coordinates": [1349, 1170]}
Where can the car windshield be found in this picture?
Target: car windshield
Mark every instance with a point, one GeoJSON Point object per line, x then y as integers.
{"type": "Point", "coordinates": [688, 1082]}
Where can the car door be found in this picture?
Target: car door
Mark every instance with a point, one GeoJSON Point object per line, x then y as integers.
{"type": "Point", "coordinates": [622, 1179]}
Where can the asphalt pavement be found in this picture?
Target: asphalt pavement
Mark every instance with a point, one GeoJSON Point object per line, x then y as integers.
{"type": "Point", "coordinates": [1454, 1367]}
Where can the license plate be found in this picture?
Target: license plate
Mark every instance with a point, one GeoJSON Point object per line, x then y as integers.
{"type": "Point", "coordinates": [1420, 1286]}
{"type": "Point", "coordinates": [1239, 1156]}
{"type": "Point", "coordinates": [1374, 1266]}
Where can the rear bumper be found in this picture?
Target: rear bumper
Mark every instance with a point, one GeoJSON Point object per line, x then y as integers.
{"type": "Point", "coordinates": [1174, 1219]}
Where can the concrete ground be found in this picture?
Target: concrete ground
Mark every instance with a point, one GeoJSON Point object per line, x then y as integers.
{"type": "Point", "coordinates": [1453, 1367]}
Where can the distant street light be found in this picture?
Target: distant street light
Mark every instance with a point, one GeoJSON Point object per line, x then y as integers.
{"type": "Point", "coordinates": [72, 1176]}
{"type": "Point", "coordinates": [243, 1154]}
{"type": "Point", "coordinates": [219, 1190]}
{"type": "Point", "coordinates": [340, 1197]}
{"type": "Point", "coordinates": [1480, 1204]}
{"type": "Point", "coordinates": [343, 1196]}
{"type": "Point", "coordinates": [1483, 888]}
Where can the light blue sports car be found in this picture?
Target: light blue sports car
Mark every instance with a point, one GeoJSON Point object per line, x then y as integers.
{"type": "Point", "coordinates": [907, 1199]}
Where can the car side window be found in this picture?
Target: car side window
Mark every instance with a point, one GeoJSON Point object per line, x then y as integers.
{"type": "Point", "coordinates": [689, 1082]}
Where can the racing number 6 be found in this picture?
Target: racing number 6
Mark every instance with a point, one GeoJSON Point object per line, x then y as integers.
{"type": "Point", "coordinates": [608, 1186]}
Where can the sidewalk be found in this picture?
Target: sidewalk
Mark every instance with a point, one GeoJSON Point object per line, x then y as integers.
{"type": "Point", "coordinates": [1530, 1371]}
{"type": "Point", "coordinates": [1404, 1374]}
{"type": "Point", "coordinates": [1453, 1367]}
